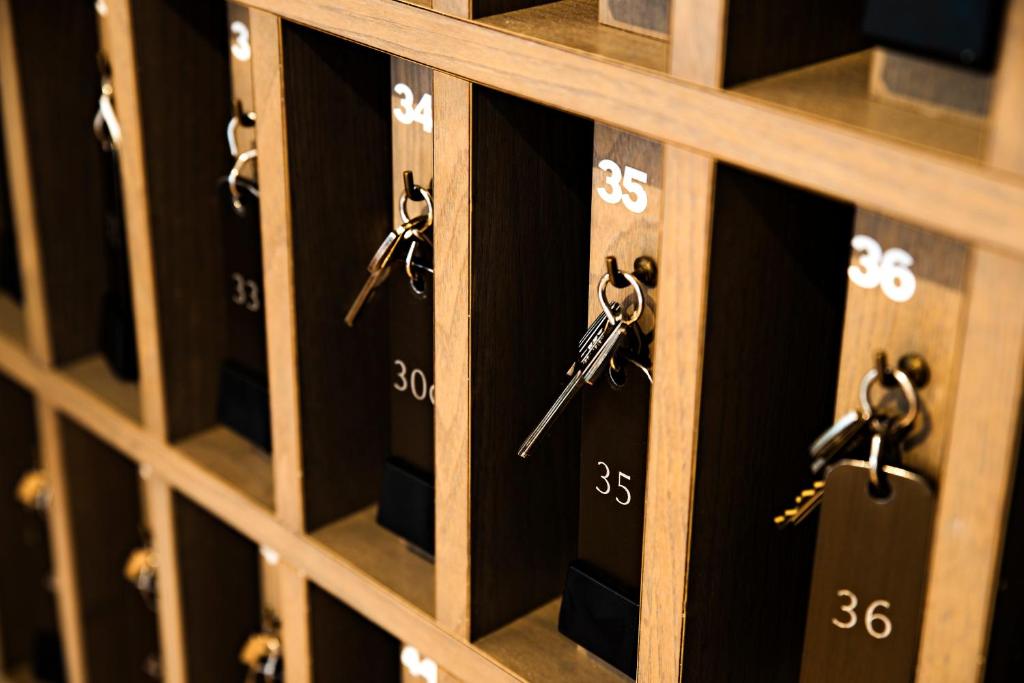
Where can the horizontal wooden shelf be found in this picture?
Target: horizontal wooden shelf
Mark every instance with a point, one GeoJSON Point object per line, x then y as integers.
{"type": "Point", "coordinates": [383, 555]}
{"type": "Point", "coordinates": [234, 460]}
{"type": "Point", "coordinates": [946, 192]}
{"type": "Point", "coordinates": [93, 373]}
{"type": "Point", "coordinates": [533, 647]}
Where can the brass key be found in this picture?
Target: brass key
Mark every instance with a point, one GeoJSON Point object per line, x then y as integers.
{"type": "Point", "coordinates": [380, 265]}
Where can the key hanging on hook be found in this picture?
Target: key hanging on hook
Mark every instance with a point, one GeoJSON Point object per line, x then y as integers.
{"type": "Point", "coordinates": [246, 120]}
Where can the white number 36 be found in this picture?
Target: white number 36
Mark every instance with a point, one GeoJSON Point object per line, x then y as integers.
{"type": "Point", "coordinates": [631, 180]}
{"type": "Point", "coordinates": [876, 623]}
{"type": "Point", "coordinates": [888, 270]}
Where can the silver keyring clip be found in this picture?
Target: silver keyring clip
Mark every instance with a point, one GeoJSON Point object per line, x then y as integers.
{"type": "Point", "coordinates": [106, 117]}
{"type": "Point", "coordinates": [236, 195]}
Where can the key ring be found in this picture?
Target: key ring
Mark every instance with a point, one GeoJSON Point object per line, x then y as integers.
{"type": "Point", "coordinates": [404, 215]}
{"type": "Point", "coordinates": [606, 306]}
{"type": "Point", "coordinates": [236, 196]}
{"type": "Point", "coordinates": [106, 117]}
{"type": "Point", "coordinates": [906, 386]}
{"type": "Point", "coordinates": [417, 283]}
{"type": "Point", "coordinates": [232, 131]}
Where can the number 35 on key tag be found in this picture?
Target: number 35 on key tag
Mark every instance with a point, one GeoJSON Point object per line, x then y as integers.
{"type": "Point", "coordinates": [870, 573]}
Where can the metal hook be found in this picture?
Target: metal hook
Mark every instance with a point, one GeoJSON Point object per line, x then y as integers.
{"type": "Point", "coordinates": [236, 196]}
{"type": "Point", "coordinates": [240, 118]}
{"type": "Point", "coordinates": [106, 117]}
{"type": "Point", "coordinates": [412, 190]}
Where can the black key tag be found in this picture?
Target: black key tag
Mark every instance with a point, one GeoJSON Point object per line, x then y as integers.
{"type": "Point", "coordinates": [870, 573]}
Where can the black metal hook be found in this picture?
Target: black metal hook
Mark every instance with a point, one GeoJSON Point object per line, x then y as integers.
{"type": "Point", "coordinates": [411, 190]}
{"type": "Point", "coordinates": [644, 269]}
{"type": "Point", "coordinates": [912, 364]}
{"type": "Point", "coordinates": [245, 118]}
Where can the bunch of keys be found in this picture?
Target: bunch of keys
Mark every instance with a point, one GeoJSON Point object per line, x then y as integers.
{"type": "Point", "coordinates": [885, 431]}
{"type": "Point", "coordinates": [261, 654]}
{"type": "Point", "coordinates": [140, 571]}
{"type": "Point", "coordinates": [411, 233]}
{"type": "Point", "coordinates": [603, 348]}
{"type": "Point", "coordinates": [33, 490]}
{"type": "Point", "coordinates": [246, 119]}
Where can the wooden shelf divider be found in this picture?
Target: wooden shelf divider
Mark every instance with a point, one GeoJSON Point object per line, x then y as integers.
{"type": "Point", "coordinates": [766, 143]}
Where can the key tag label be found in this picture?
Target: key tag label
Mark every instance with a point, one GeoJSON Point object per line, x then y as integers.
{"type": "Point", "coordinates": [870, 572]}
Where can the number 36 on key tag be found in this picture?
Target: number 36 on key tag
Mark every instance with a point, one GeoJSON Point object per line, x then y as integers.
{"type": "Point", "coordinates": [870, 572]}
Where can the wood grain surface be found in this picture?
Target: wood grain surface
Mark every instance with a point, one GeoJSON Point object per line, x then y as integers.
{"type": "Point", "coordinates": [777, 285]}
{"type": "Point", "coordinates": [220, 592]}
{"type": "Point", "coordinates": [336, 102]}
{"type": "Point", "coordinates": [794, 146]}
{"type": "Point", "coordinates": [452, 291]}
{"type": "Point", "coordinates": [929, 324]}
{"type": "Point", "coordinates": [527, 308]}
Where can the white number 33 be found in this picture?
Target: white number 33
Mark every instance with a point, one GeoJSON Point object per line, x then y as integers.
{"type": "Point", "coordinates": [888, 270]}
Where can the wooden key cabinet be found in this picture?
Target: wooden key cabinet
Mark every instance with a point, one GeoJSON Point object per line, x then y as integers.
{"type": "Point", "coordinates": [285, 285]}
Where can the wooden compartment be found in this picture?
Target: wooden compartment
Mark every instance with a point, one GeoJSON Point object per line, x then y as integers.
{"type": "Point", "coordinates": [102, 486]}
{"type": "Point", "coordinates": [29, 644]}
{"type": "Point", "coordinates": [346, 647]}
{"type": "Point", "coordinates": [1004, 655]}
{"type": "Point", "coordinates": [82, 258]}
{"type": "Point", "coordinates": [339, 133]}
{"type": "Point", "coordinates": [776, 297]}
{"type": "Point", "coordinates": [206, 257]}
{"type": "Point", "coordinates": [219, 572]}
{"type": "Point", "coordinates": [528, 281]}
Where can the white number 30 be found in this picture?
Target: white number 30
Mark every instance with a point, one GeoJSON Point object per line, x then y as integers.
{"type": "Point", "coordinates": [878, 625]}
{"type": "Point", "coordinates": [889, 270]}
{"type": "Point", "coordinates": [631, 180]}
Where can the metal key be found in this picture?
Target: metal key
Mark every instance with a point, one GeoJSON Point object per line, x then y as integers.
{"type": "Point", "coordinates": [806, 501]}
{"type": "Point", "coordinates": [847, 433]}
{"type": "Point", "coordinates": [596, 328]}
{"type": "Point", "coordinates": [609, 345]}
{"type": "Point", "coordinates": [590, 345]}
{"type": "Point", "coordinates": [380, 265]}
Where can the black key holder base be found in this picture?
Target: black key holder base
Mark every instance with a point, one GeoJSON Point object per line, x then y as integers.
{"type": "Point", "coordinates": [600, 617]}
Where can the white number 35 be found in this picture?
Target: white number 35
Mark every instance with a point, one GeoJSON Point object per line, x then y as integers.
{"type": "Point", "coordinates": [888, 270]}
{"type": "Point", "coordinates": [631, 180]}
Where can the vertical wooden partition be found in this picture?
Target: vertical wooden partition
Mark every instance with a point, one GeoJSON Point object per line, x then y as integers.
{"type": "Point", "coordinates": [220, 592]}
{"type": "Point", "coordinates": [777, 284]}
{"type": "Point", "coordinates": [519, 552]}
{"type": "Point", "coordinates": [118, 630]}
{"type": "Point", "coordinates": [58, 215]}
{"type": "Point", "coordinates": [337, 108]}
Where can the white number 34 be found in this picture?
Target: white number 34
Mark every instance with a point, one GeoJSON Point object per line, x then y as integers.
{"type": "Point", "coordinates": [623, 186]}
{"type": "Point", "coordinates": [408, 114]}
{"type": "Point", "coordinates": [888, 270]}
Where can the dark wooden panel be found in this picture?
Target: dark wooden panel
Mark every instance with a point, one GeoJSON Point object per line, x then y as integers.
{"type": "Point", "coordinates": [765, 38]}
{"type": "Point", "coordinates": [485, 8]}
{"type": "Point", "coordinates": [10, 280]}
{"type": "Point", "coordinates": [103, 503]}
{"type": "Point", "coordinates": [185, 100]}
{"type": "Point", "coordinates": [26, 603]}
{"type": "Point", "coordinates": [56, 52]}
{"type": "Point", "coordinates": [530, 247]}
{"type": "Point", "coordinates": [1005, 656]}
{"type": "Point", "coordinates": [339, 155]}
{"type": "Point", "coordinates": [347, 647]}
{"type": "Point", "coordinates": [776, 300]}
{"type": "Point", "coordinates": [220, 593]}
